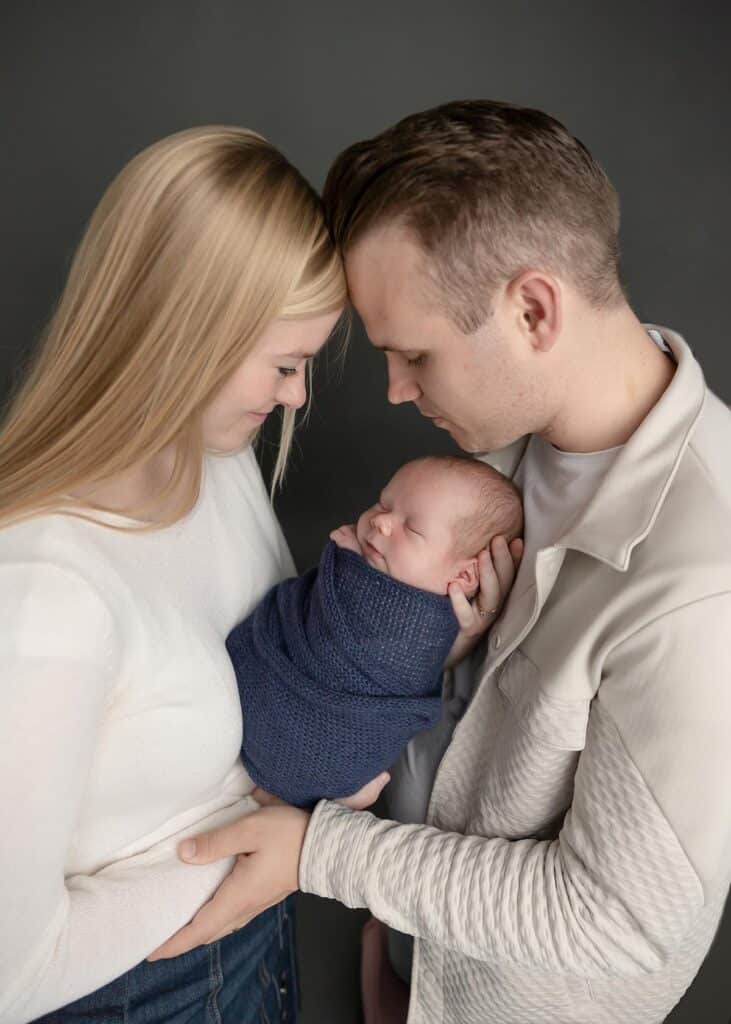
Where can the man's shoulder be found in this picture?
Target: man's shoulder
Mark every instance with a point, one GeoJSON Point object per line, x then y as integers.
{"type": "Point", "coordinates": [689, 544]}
{"type": "Point", "coordinates": [709, 451]}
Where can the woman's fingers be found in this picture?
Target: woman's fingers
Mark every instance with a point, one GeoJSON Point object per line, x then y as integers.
{"type": "Point", "coordinates": [367, 795]}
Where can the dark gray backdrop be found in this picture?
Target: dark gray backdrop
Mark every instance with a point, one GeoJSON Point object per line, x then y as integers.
{"type": "Point", "coordinates": [85, 85]}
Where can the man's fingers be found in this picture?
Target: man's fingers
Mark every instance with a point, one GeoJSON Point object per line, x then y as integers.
{"type": "Point", "coordinates": [212, 920]}
{"type": "Point", "coordinates": [502, 560]}
{"type": "Point", "coordinates": [463, 610]}
{"type": "Point", "coordinates": [266, 799]}
{"type": "Point", "coordinates": [367, 794]}
{"type": "Point", "coordinates": [516, 550]}
{"type": "Point", "coordinates": [226, 841]}
{"type": "Point", "coordinates": [489, 595]}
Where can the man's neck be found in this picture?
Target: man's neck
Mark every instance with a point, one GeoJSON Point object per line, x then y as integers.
{"type": "Point", "coordinates": [617, 376]}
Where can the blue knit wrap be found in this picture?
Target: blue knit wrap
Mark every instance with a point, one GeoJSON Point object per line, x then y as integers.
{"type": "Point", "coordinates": [337, 669]}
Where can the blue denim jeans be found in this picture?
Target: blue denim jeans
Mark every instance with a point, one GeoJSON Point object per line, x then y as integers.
{"type": "Point", "coordinates": [250, 977]}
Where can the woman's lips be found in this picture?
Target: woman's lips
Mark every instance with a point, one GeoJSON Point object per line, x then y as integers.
{"type": "Point", "coordinates": [259, 416]}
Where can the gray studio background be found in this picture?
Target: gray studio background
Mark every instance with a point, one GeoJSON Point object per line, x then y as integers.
{"type": "Point", "coordinates": [85, 85]}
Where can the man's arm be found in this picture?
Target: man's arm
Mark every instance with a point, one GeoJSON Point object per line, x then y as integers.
{"type": "Point", "coordinates": [648, 830]}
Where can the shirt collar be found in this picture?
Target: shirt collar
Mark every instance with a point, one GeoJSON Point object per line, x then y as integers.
{"type": "Point", "coordinates": [628, 500]}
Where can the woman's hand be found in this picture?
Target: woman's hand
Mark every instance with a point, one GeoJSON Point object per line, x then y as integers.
{"type": "Point", "coordinates": [267, 845]}
{"type": "Point", "coordinates": [497, 566]}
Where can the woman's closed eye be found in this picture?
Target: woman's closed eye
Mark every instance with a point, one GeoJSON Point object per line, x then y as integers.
{"type": "Point", "coordinates": [287, 371]}
{"type": "Point", "coordinates": [416, 360]}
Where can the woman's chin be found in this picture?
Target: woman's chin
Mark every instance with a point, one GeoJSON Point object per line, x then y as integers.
{"type": "Point", "coordinates": [231, 443]}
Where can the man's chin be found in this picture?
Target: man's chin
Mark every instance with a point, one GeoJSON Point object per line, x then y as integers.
{"type": "Point", "coordinates": [463, 440]}
{"type": "Point", "coordinates": [474, 445]}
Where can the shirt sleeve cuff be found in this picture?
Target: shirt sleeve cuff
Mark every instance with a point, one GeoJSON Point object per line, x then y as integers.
{"type": "Point", "coordinates": [334, 854]}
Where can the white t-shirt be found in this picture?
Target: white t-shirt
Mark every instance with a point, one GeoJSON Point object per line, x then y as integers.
{"type": "Point", "coordinates": [120, 728]}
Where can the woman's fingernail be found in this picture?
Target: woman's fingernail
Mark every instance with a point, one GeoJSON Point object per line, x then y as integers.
{"type": "Point", "coordinates": [187, 849]}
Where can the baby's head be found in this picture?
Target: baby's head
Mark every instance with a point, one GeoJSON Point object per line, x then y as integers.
{"type": "Point", "coordinates": [434, 517]}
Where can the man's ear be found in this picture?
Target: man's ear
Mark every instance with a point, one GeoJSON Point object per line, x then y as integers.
{"type": "Point", "coordinates": [537, 301]}
{"type": "Point", "coordinates": [468, 576]}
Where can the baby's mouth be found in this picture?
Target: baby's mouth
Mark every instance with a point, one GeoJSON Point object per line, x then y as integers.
{"type": "Point", "coordinates": [373, 551]}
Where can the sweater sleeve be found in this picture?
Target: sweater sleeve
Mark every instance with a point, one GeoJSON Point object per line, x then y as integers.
{"type": "Point", "coordinates": [644, 844]}
{"type": "Point", "coordinates": [65, 936]}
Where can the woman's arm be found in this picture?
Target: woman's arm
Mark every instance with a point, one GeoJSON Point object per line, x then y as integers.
{"type": "Point", "coordinates": [64, 937]}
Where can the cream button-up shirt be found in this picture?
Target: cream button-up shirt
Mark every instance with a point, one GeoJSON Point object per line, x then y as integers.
{"type": "Point", "coordinates": [576, 855]}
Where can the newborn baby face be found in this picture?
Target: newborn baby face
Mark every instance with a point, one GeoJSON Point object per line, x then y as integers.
{"type": "Point", "coordinates": [410, 532]}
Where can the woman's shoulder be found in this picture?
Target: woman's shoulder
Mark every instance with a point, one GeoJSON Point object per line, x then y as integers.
{"type": "Point", "coordinates": [50, 601]}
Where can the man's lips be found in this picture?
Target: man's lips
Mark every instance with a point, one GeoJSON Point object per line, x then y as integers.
{"type": "Point", "coordinates": [436, 419]}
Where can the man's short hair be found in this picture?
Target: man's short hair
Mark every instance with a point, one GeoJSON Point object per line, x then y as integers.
{"type": "Point", "coordinates": [489, 190]}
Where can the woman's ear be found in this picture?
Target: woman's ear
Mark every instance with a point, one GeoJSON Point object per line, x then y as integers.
{"type": "Point", "coordinates": [468, 576]}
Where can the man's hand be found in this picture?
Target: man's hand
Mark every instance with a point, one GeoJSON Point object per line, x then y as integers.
{"type": "Point", "coordinates": [497, 566]}
{"type": "Point", "coordinates": [345, 537]}
{"type": "Point", "coordinates": [267, 845]}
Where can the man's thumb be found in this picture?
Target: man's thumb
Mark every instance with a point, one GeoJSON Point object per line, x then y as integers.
{"type": "Point", "coordinates": [204, 848]}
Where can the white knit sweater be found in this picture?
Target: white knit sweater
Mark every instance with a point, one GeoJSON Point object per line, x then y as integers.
{"type": "Point", "coordinates": [120, 729]}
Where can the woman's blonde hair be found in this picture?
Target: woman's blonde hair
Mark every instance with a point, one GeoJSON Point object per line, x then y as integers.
{"type": "Point", "coordinates": [199, 243]}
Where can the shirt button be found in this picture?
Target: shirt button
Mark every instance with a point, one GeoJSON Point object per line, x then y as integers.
{"type": "Point", "coordinates": [496, 640]}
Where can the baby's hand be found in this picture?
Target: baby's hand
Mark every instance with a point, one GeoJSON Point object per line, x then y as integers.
{"type": "Point", "coordinates": [345, 537]}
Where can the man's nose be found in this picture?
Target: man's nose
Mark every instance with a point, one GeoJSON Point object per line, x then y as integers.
{"type": "Point", "coordinates": [401, 386]}
{"type": "Point", "coordinates": [382, 523]}
{"type": "Point", "coordinates": [293, 391]}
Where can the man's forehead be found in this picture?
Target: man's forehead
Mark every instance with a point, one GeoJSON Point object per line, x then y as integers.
{"type": "Point", "coordinates": [385, 277]}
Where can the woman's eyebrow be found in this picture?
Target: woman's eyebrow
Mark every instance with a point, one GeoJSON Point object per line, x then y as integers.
{"type": "Point", "coordinates": [298, 355]}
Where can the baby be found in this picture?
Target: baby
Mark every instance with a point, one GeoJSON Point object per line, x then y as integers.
{"type": "Point", "coordinates": [338, 668]}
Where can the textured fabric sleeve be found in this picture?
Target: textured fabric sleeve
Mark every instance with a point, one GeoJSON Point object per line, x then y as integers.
{"type": "Point", "coordinates": [64, 937]}
{"type": "Point", "coordinates": [619, 888]}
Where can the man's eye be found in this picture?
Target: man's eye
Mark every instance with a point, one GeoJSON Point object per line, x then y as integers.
{"type": "Point", "coordinates": [286, 371]}
{"type": "Point", "coordinates": [416, 361]}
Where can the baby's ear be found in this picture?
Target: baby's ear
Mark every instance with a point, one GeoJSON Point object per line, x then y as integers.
{"type": "Point", "coordinates": [468, 576]}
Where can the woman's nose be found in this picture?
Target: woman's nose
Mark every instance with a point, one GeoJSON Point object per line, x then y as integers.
{"type": "Point", "coordinates": [293, 391]}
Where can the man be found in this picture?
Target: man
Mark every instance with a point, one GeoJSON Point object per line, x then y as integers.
{"type": "Point", "coordinates": [575, 860]}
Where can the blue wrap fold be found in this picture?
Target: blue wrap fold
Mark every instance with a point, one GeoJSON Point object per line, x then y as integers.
{"type": "Point", "coordinates": [337, 669]}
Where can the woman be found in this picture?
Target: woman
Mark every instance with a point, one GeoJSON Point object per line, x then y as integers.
{"type": "Point", "coordinates": [204, 285]}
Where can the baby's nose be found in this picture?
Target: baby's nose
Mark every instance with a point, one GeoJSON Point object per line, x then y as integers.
{"type": "Point", "coordinates": [382, 524]}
